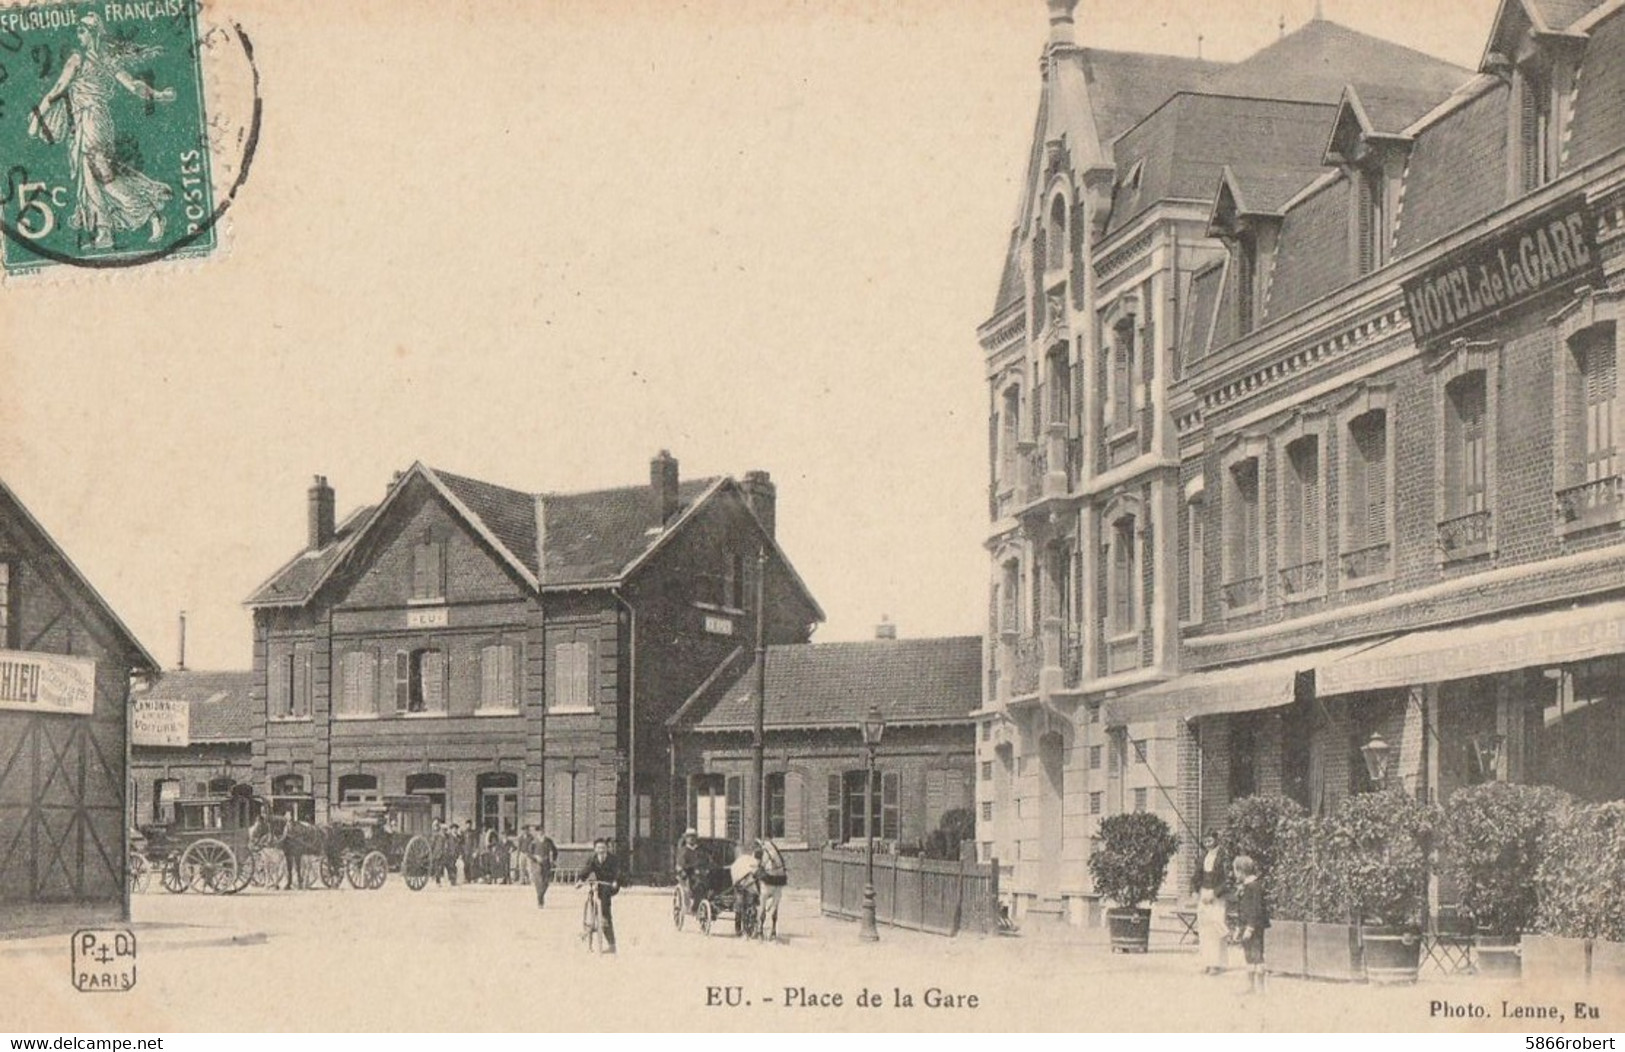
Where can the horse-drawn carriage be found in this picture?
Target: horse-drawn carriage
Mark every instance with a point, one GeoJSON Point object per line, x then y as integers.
{"type": "Point", "coordinates": [725, 885]}
{"type": "Point", "coordinates": [206, 848]}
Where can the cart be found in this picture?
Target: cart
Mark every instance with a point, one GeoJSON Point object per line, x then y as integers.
{"type": "Point", "coordinates": [206, 848]}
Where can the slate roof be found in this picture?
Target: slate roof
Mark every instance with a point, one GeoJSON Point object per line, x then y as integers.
{"type": "Point", "coordinates": [1125, 85]}
{"type": "Point", "coordinates": [1274, 146]}
{"type": "Point", "coordinates": [1316, 61]}
{"type": "Point", "coordinates": [219, 704]}
{"type": "Point", "coordinates": [809, 685]}
{"type": "Point", "coordinates": [591, 537]}
{"type": "Point", "coordinates": [1560, 14]}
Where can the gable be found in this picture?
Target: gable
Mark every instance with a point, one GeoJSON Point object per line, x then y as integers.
{"type": "Point", "coordinates": [382, 568]}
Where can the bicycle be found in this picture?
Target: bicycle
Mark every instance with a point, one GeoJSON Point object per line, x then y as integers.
{"type": "Point", "coordinates": [592, 918]}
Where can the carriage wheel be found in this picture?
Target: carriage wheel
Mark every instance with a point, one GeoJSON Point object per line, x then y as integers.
{"type": "Point", "coordinates": [174, 881]}
{"type": "Point", "coordinates": [374, 870]}
{"type": "Point", "coordinates": [678, 907]}
{"type": "Point", "coordinates": [209, 866]}
{"type": "Point", "coordinates": [140, 872]}
{"type": "Point", "coordinates": [352, 870]}
{"type": "Point", "coordinates": [707, 917]}
{"type": "Point", "coordinates": [750, 920]}
{"type": "Point", "coordinates": [246, 866]}
{"type": "Point", "coordinates": [270, 868]}
{"type": "Point", "coordinates": [332, 874]}
{"type": "Point", "coordinates": [415, 863]}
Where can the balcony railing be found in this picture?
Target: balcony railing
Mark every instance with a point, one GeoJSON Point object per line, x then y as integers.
{"type": "Point", "coordinates": [1028, 662]}
{"type": "Point", "coordinates": [1304, 578]}
{"type": "Point", "coordinates": [1369, 561]}
{"type": "Point", "coordinates": [1249, 591]}
{"type": "Point", "coordinates": [1465, 535]}
{"type": "Point", "coordinates": [1591, 503]}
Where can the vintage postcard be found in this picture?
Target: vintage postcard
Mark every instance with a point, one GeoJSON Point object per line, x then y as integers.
{"type": "Point", "coordinates": [812, 516]}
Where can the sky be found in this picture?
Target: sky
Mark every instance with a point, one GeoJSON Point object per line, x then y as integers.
{"type": "Point", "coordinates": [536, 243]}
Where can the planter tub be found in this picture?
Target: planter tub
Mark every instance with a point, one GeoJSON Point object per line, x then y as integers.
{"type": "Point", "coordinates": [1607, 960]}
{"type": "Point", "coordinates": [1495, 956]}
{"type": "Point", "coordinates": [1284, 947]}
{"type": "Point", "coordinates": [1131, 929]}
{"type": "Point", "coordinates": [1547, 957]}
{"type": "Point", "coordinates": [1392, 954]}
{"type": "Point", "coordinates": [1331, 951]}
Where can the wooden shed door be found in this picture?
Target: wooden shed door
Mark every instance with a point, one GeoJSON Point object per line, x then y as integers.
{"type": "Point", "coordinates": [61, 809]}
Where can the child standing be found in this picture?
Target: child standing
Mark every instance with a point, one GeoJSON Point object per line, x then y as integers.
{"type": "Point", "coordinates": [1254, 917]}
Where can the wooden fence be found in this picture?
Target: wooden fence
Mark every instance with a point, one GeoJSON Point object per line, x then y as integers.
{"type": "Point", "coordinates": [941, 897]}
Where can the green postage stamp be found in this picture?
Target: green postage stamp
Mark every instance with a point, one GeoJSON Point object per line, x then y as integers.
{"type": "Point", "coordinates": [109, 147]}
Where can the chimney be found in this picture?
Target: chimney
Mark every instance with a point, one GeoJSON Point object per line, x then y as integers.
{"type": "Point", "coordinates": [180, 663]}
{"type": "Point", "coordinates": [763, 498]}
{"type": "Point", "coordinates": [663, 481]}
{"type": "Point", "coordinates": [887, 629]}
{"type": "Point", "coordinates": [1060, 21]}
{"type": "Point", "coordinates": [321, 513]}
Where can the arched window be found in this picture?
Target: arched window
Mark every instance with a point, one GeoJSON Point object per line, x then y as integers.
{"type": "Point", "coordinates": [1055, 247]}
{"type": "Point", "coordinates": [357, 789]}
{"type": "Point", "coordinates": [432, 786]}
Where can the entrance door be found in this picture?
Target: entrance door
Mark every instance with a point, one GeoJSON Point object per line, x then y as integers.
{"type": "Point", "coordinates": [499, 802]}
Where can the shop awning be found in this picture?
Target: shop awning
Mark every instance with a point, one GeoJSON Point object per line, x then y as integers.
{"type": "Point", "coordinates": [1245, 688]}
{"type": "Point", "coordinates": [1550, 638]}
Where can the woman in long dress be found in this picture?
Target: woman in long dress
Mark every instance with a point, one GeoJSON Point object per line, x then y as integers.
{"type": "Point", "coordinates": [112, 195]}
{"type": "Point", "coordinates": [1211, 882]}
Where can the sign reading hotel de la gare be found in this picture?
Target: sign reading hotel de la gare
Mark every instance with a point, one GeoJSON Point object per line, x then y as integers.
{"type": "Point", "coordinates": [1552, 250]}
{"type": "Point", "coordinates": [47, 683]}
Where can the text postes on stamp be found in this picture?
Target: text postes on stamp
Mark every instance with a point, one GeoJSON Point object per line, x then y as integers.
{"type": "Point", "coordinates": [111, 154]}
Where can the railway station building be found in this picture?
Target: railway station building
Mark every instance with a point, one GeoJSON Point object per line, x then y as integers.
{"type": "Point", "coordinates": [1304, 413]}
{"type": "Point", "coordinates": [513, 656]}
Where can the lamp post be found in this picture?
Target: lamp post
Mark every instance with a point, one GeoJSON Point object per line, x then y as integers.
{"type": "Point", "coordinates": [1376, 753]}
{"type": "Point", "coordinates": [1487, 751]}
{"type": "Point", "coordinates": [874, 725]}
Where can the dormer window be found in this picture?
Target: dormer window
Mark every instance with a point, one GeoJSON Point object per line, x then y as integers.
{"type": "Point", "coordinates": [1246, 256]}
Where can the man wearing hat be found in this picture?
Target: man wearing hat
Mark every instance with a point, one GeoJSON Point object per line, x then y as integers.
{"type": "Point", "coordinates": [692, 866]}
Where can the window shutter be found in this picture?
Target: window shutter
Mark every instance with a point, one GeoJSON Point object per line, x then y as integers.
{"type": "Point", "coordinates": [1376, 483]}
{"type": "Point", "coordinates": [890, 812]}
{"type": "Point", "coordinates": [795, 805]}
{"type": "Point", "coordinates": [433, 671]}
{"type": "Point", "coordinates": [832, 817]}
{"type": "Point", "coordinates": [736, 808]}
{"type": "Point", "coordinates": [584, 792]}
{"type": "Point", "coordinates": [1311, 501]}
{"type": "Point", "coordinates": [1367, 233]}
{"type": "Point", "coordinates": [583, 674]}
{"type": "Point", "coordinates": [1529, 131]}
{"type": "Point", "coordinates": [403, 680]}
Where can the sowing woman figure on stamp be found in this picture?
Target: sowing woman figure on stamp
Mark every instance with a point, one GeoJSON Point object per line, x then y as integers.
{"type": "Point", "coordinates": [112, 194]}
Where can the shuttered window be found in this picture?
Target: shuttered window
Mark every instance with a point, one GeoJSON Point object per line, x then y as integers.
{"type": "Point", "coordinates": [358, 683]}
{"type": "Point", "coordinates": [403, 681]}
{"type": "Point", "coordinates": [1373, 220]}
{"type": "Point", "coordinates": [1535, 129]}
{"type": "Point", "coordinates": [786, 800]}
{"type": "Point", "coordinates": [426, 688]}
{"type": "Point", "coordinates": [1241, 523]}
{"type": "Point", "coordinates": [1124, 576]}
{"type": "Point", "coordinates": [890, 805]}
{"type": "Point", "coordinates": [1366, 522]}
{"type": "Point", "coordinates": [834, 826]}
{"type": "Point", "coordinates": [497, 677]}
{"type": "Point", "coordinates": [572, 675]}
{"type": "Point", "coordinates": [279, 684]}
{"type": "Point", "coordinates": [1465, 449]}
{"type": "Point", "coordinates": [429, 570]}
{"type": "Point", "coordinates": [1598, 362]}
{"type": "Point", "coordinates": [736, 808]}
{"type": "Point", "coordinates": [1301, 505]}
{"type": "Point", "coordinates": [1123, 375]}
{"type": "Point", "coordinates": [570, 806]}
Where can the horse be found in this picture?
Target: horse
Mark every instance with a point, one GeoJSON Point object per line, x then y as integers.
{"type": "Point", "coordinates": [296, 839]}
{"type": "Point", "coordinates": [774, 876]}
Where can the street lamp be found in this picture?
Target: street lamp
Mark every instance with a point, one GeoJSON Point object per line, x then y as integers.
{"type": "Point", "coordinates": [1376, 753]}
{"type": "Point", "coordinates": [1487, 751]}
{"type": "Point", "coordinates": [874, 725]}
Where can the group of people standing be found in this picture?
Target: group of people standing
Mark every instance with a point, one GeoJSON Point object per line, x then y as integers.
{"type": "Point", "coordinates": [1230, 910]}
{"type": "Point", "coordinates": [486, 856]}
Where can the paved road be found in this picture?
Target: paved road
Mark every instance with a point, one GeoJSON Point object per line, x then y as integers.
{"type": "Point", "coordinates": [484, 958]}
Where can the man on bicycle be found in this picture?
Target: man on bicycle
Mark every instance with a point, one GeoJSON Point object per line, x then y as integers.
{"type": "Point", "coordinates": [692, 866]}
{"type": "Point", "coordinates": [605, 873]}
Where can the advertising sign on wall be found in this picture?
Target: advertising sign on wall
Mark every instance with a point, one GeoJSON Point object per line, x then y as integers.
{"type": "Point", "coordinates": [47, 682]}
{"type": "Point", "coordinates": [159, 721]}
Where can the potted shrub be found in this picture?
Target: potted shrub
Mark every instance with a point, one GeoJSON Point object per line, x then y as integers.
{"type": "Point", "coordinates": [1379, 843]}
{"type": "Point", "coordinates": [1265, 828]}
{"type": "Point", "coordinates": [1309, 895]}
{"type": "Point", "coordinates": [1580, 913]}
{"type": "Point", "coordinates": [1128, 864]}
{"type": "Point", "coordinates": [1494, 841]}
